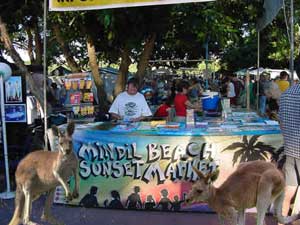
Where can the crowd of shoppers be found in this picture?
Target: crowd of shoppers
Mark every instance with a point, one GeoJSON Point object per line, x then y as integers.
{"type": "Point", "coordinates": [158, 97]}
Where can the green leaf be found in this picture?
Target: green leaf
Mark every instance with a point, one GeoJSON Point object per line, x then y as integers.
{"type": "Point", "coordinates": [107, 20]}
{"type": "Point", "coordinates": [245, 140]}
{"type": "Point", "coordinates": [253, 139]}
{"type": "Point", "coordinates": [236, 156]}
{"type": "Point", "coordinates": [234, 146]}
{"type": "Point", "coordinates": [264, 147]}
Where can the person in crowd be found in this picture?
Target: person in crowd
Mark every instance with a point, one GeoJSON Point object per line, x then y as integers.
{"type": "Point", "coordinates": [195, 90]}
{"type": "Point", "coordinates": [238, 88]}
{"type": "Point", "coordinates": [273, 94]}
{"type": "Point", "coordinates": [130, 105]}
{"type": "Point", "coordinates": [163, 109]}
{"type": "Point", "coordinates": [155, 91]}
{"type": "Point", "coordinates": [55, 91]}
{"type": "Point", "coordinates": [182, 103]}
{"type": "Point", "coordinates": [90, 199]}
{"type": "Point", "coordinates": [262, 96]}
{"type": "Point", "coordinates": [289, 117]}
{"type": "Point", "coordinates": [161, 87]}
{"type": "Point", "coordinates": [52, 93]}
{"type": "Point", "coordinates": [243, 94]}
{"type": "Point", "coordinates": [63, 93]}
{"type": "Point", "coordinates": [283, 82]}
{"type": "Point", "coordinates": [230, 91]}
{"type": "Point", "coordinates": [173, 88]}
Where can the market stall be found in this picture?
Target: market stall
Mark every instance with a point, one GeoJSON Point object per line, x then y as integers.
{"type": "Point", "coordinates": [76, 96]}
{"type": "Point", "coordinates": [148, 165]}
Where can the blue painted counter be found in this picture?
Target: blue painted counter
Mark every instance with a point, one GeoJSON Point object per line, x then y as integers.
{"type": "Point", "coordinates": [154, 163]}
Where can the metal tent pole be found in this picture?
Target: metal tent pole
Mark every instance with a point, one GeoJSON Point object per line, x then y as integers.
{"type": "Point", "coordinates": [45, 74]}
{"type": "Point", "coordinates": [8, 194]}
{"type": "Point", "coordinates": [292, 42]}
{"type": "Point", "coordinates": [258, 75]}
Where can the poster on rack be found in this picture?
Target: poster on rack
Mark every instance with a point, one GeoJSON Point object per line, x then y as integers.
{"type": "Point", "coordinates": [121, 170]}
{"type": "Point", "coordinates": [13, 90]}
{"type": "Point", "coordinates": [74, 5]}
{"type": "Point", "coordinates": [15, 113]}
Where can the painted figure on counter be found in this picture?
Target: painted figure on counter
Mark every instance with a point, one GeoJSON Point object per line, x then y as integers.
{"type": "Point", "coordinates": [134, 200]}
{"type": "Point", "coordinates": [90, 199]}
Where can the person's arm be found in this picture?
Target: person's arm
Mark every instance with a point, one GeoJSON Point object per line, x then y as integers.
{"type": "Point", "coordinates": [140, 118]}
{"type": "Point", "coordinates": [140, 203]}
{"type": "Point", "coordinates": [192, 106]}
{"type": "Point", "coordinates": [115, 116]}
{"type": "Point", "coordinates": [146, 112]}
{"type": "Point", "coordinates": [114, 109]}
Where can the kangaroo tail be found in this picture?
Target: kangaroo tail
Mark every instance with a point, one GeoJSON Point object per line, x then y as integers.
{"type": "Point", "coordinates": [278, 211]}
{"type": "Point", "coordinates": [19, 206]}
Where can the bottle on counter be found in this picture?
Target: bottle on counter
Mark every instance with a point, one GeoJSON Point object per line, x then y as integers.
{"type": "Point", "coordinates": [171, 114]}
{"type": "Point", "coordinates": [190, 118]}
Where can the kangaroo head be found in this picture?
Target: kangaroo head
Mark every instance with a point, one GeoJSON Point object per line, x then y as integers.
{"type": "Point", "coordinates": [65, 145]}
{"type": "Point", "coordinates": [201, 188]}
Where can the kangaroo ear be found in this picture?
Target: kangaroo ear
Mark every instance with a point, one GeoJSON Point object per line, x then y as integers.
{"type": "Point", "coordinates": [215, 175]}
{"type": "Point", "coordinates": [55, 130]}
{"type": "Point", "coordinates": [211, 177]}
{"type": "Point", "coordinates": [70, 128]}
{"type": "Point", "coordinates": [199, 173]}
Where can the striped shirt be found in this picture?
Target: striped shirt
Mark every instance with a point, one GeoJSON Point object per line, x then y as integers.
{"type": "Point", "coordinates": [289, 115]}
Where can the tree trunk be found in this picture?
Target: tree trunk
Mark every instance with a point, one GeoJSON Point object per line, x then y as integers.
{"type": "Point", "coordinates": [144, 58]}
{"type": "Point", "coordinates": [30, 44]}
{"type": "Point", "coordinates": [103, 106]}
{"type": "Point", "coordinates": [123, 71]}
{"type": "Point", "coordinates": [38, 43]}
{"type": "Point", "coordinates": [66, 50]}
{"type": "Point", "coordinates": [20, 64]}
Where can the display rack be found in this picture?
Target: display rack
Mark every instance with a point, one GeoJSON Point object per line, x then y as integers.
{"type": "Point", "coordinates": [79, 97]}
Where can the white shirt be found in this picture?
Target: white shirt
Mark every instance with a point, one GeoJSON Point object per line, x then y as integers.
{"type": "Point", "coordinates": [130, 106]}
{"type": "Point", "coordinates": [231, 91]}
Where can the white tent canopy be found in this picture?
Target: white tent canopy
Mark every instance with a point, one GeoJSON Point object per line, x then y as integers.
{"type": "Point", "coordinates": [272, 72]}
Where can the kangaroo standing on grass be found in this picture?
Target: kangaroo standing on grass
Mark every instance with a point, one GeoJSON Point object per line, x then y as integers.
{"type": "Point", "coordinates": [254, 184]}
{"type": "Point", "coordinates": [40, 172]}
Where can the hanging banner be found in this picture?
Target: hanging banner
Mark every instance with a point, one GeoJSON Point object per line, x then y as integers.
{"type": "Point", "coordinates": [75, 5]}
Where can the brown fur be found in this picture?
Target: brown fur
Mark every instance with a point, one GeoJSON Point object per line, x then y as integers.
{"type": "Point", "coordinates": [253, 184]}
{"type": "Point", "coordinates": [41, 172]}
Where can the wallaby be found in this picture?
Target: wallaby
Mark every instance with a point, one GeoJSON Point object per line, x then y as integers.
{"type": "Point", "coordinates": [40, 172]}
{"type": "Point", "coordinates": [254, 184]}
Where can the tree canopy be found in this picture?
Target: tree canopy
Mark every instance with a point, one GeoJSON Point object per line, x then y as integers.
{"type": "Point", "coordinates": [227, 29]}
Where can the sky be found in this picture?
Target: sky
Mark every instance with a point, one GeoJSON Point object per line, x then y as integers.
{"type": "Point", "coordinates": [23, 54]}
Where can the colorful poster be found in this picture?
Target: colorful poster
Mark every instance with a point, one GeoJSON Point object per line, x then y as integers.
{"type": "Point", "coordinates": [75, 5]}
{"type": "Point", "coordinates": [155, 172]}
{"type": "Point", "coordinates": [15, 113]}
{"type": "Point", "coordinates": [13, 90]}
{"type": "Point", "coordinates": [75, 98]}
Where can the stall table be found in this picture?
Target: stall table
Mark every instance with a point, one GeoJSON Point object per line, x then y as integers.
{"type": "Point", "coordinates": [148, 165]}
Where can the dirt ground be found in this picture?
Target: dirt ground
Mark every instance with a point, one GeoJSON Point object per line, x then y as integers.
{"type": "Point", "coordinates": [83, 216]}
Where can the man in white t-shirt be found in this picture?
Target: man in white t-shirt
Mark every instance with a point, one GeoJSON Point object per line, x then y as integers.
{"type": "Point", "coordinates": [130, 105]}
{"type": "Point", "coordinates": [230, 92]}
